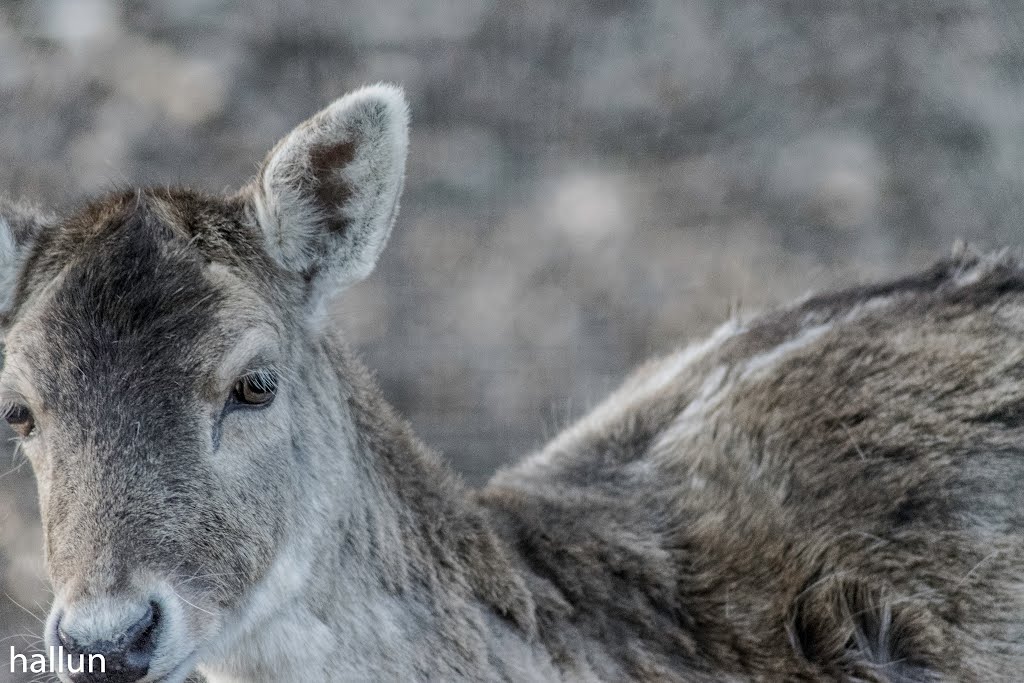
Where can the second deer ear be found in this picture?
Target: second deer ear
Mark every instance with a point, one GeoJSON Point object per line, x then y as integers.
{"type": "Point", "coordinates": [327, 194]}
{"type": "Point", "coordinates": [20, 226]}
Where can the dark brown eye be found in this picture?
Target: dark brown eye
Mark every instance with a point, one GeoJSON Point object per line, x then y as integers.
{"type": "Point", "coordinates": [255, 389]}
{"type": "Point", "coordinates": [21, 420]}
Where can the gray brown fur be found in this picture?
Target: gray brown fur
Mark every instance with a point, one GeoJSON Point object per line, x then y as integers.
{"type": "Point", "coordinates": [829, 492]}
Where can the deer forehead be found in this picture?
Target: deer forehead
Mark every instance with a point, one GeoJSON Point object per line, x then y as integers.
{"type": "Point", "coordinates": [158, 291]}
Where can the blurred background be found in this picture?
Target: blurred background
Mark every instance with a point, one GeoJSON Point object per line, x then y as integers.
{"type": "Point", "coordinates": [589, 183]}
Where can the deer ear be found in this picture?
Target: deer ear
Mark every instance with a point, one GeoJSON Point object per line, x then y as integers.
{"type": "Point", "coordinates": [327, 194]}
{"type": "Point", "coordinates": [849, 629]}
{"type": "Point", "coordinates": [20, 225]}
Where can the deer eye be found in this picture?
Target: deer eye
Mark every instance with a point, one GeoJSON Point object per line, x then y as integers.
{"type": "Point", "coordinates": [21, 420]}
{"type": "Point", "coordinates": [256, 388]}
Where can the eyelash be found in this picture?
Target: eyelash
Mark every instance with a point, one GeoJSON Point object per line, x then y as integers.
{"type": "Point", "coordinates": [255, 389]}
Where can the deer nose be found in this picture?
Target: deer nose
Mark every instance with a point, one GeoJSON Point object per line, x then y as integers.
{"type": "Point", "coordinates": [126, 648]}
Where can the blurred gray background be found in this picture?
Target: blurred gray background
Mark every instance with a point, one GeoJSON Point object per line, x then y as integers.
{"type": "Point", "coordinates": [590, 182]}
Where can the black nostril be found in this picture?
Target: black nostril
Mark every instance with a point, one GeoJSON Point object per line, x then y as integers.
{"type": "Point", "coordinates": [140, 639]}
{"type": "Point", "coordinates": [64, 638]}
{"type": "Point", "coordinates": [141, 627]}
{"type": "Point", "coordinates": [126, 655]}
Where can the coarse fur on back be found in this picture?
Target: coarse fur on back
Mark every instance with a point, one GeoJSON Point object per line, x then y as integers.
{"type": "Point", "coordinates": [826, 492]}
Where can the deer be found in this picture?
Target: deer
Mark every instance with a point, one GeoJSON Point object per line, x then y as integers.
{"type": "Point", "coordinates": [826, 491]}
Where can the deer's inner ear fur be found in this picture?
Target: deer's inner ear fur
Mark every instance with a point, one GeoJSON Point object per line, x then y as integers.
{"type": "Point", "coordinates": [328, 193]}
{"type": "Point", "coordinates": [849, 630]}
{"type": "Point", "coordinates": [20, 225]}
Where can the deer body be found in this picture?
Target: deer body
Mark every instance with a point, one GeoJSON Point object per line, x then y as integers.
{"type": "Point", "coordinates": [826, 492]}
